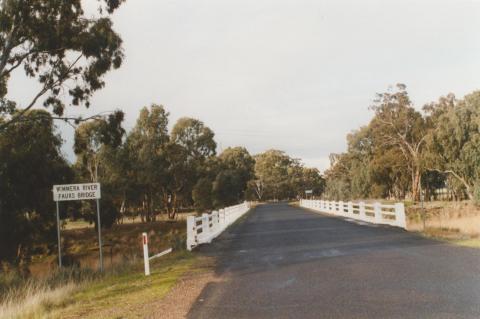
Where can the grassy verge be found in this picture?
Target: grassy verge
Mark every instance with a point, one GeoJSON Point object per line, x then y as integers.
{"type": "Point", "coordinates": [453, 237]}
{"type": "Point", "coordinates": [124, 293]}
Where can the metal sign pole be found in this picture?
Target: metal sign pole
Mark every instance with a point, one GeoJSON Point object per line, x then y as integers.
{"type": "Point", "coordinates": [99, 226]}
{"type": "Point", "coordinates": [59, 239]}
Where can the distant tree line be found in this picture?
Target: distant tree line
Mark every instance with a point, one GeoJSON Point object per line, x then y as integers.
{"type": "Point", "coordinates": [144, 173]}
{"type": "Point", "coordinates": [405, 154]}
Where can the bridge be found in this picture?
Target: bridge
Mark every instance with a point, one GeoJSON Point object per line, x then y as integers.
{"type": "Point", "coordinates": [281, 261]}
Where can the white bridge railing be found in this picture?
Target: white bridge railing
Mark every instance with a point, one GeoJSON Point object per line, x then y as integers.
{"type": "Point", "coordinates": [203, 229]}
{"type": "Point", "coordinates": [376, 213]}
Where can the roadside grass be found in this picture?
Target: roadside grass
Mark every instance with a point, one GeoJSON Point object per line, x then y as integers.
{"type": "Point", "coordinates": [126, 294]}
{"type": "Point", "coordinates": [22, 297]}
{"type": "Point", "coordinates": [121, 292]}
{"type": "Point", "coordinates": [472, 243]}
{"type": "Point", "coordinates": [451, 236]}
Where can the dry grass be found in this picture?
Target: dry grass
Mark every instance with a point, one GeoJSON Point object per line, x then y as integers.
{"type": "Point", "coordinates": [50, 291]}
{"type": "Point", "coordinates": [22, 297]}
{"type": "Point", "coordinates": [448, 217]}
{"type": "Point", "coordinates": [74, 293]}
{"type": "Point", "coordinates": [36, 301]}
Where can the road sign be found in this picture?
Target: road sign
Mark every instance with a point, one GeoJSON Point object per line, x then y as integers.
{"type": "Point", "coordinates": [68, 192]}
{"type": "Point", "coordinates": [309, 191]}
{"type": "Point", "coordinates": [76, 192]}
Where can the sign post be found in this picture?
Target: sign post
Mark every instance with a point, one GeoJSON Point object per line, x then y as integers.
{"type": "Point", "coordinates": [99, 235]}
{"type": "Point", "coordinates": [71, 192]}
{"type": "Point", "coordinates": [59, 239]}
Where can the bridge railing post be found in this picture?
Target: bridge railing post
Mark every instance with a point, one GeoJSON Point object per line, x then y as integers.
{"type": "Point", "coordinates": [361, 208]}
{"type": "Point", "coordinates": [215, 220]}
{"type": "Point", "coordinates": [221, 214]}
{"type": "Point", "coordinates": [377, 208]}
{"type": "Point", "coordinates": [340, 208]}
{"type": "Point", "coordinates": [400, 217]}
{"type": "Point", "coordinates": [350, 208]}
{"type": "Point", "coordinates": [205, 228]}
{"type": "Point", "coordinates": [191, 232]}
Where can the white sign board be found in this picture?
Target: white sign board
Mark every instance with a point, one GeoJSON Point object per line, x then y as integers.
{"type": "Point", "coordinates": [76, 192]}
{"type": "Point", "coordinates": [309, 191]}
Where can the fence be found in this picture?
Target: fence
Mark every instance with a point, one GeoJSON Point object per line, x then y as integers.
{"type": "Point", "coordinates": [376, 213]}
{"type": "Point", "coordinates": [205, 228]}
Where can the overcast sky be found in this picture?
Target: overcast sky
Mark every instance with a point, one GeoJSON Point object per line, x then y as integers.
{"type": "Point", "coordinates": [293, 75]}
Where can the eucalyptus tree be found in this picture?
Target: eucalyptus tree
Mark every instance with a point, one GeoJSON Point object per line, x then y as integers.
{"type": "Point", "coordinates": [338, 178]}
{"type": "Point", "coordinates": [279, 176]}
{"type": "Point", "coordinates": [56, 43]}
{"type": "Point", "coordinates": [93, 137]}
{"type": "Point", "coordinates": [191, 145]}
{"type": "Point", "coordinates": [271, 169]}
{"type": "Point", "coordinates": [147, 146]}
{"type": "Point", "coordinates": [398, 125]}
{"type": "Point", "coordinates": [311, 179]}
{"type": "Point", "coordinates": [236, 169]}
{"type": "Point", "coordinates": [454, 142]}
{"type": "Point", "coordinates": [27, 172]}
{"type": "Point", "coordinates": [96, 146]}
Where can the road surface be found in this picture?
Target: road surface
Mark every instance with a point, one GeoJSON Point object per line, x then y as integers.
{"type": "Point", "coordinates": [286, 262]}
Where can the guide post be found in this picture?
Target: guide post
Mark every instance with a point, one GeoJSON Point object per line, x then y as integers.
{"type": "Point", "coordinates": [71, 192]}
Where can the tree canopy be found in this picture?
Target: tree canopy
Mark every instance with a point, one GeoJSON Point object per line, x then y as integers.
{"type": "Point", "coordinates": [405, 153]}
{"type": "Point", "coordinates": [57, 44]}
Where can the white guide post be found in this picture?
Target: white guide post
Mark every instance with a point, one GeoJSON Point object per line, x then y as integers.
{"type": "Point", "coordinates": [145, 254]}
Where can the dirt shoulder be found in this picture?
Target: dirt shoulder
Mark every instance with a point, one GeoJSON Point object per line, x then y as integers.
{"type": "Point", "coordinates": [177, 303]}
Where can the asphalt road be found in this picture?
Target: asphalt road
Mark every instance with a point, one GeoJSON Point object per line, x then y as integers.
{"type": "Point", "coordinates": [287, 262]}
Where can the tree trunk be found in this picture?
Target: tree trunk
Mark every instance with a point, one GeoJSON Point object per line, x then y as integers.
{"type": "Point", "coordinates": [416, 175]}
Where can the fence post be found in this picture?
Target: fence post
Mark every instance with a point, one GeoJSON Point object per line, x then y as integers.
{"type": "Point", "coordinates": [341, 208]}
{"type": "Point", "coordinates": [146, 260]}
{"type": "Point", "coordinates": [377, 208]}
{"type": "Point", "coordinates": [350, 208]}
{"type": "Point", "coordinates": [191, 232]}
{"type": "Point", "coordinates": [214, 218]}
{"type": "Point", "coordinates": [400, 217]}
{"type": "Point", "coordinates": [221, 216]}
{"type": "Point", "coordinates": [205, 228]}
{"type": "Point", "coordinates": [361, 208]}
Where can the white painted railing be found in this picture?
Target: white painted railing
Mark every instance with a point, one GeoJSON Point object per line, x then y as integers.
{"type": "Point", "coordinates": [205, 228]}
{"type": "Point", "coordinates": [375, 213]}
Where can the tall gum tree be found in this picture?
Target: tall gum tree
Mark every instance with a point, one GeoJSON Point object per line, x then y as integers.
{"type": "Point", "coordinates": [397, 124]}
{"type": "Point", "coordinates": [454, 142]}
